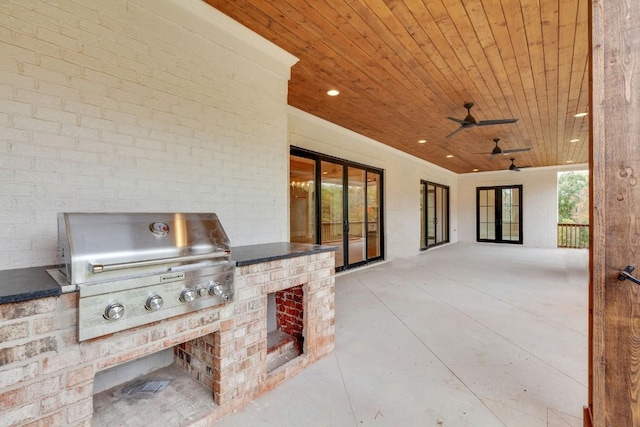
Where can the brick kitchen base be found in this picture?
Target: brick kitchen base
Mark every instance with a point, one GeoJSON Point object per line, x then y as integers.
{"type": "Point", "coordinates": [46, 375]}
{"type": "Point", "coordinates": [185, 399]}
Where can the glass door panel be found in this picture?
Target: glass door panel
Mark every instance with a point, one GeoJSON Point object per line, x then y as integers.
{"type": "Point", "coordinates": [356, 238]}
{"type": "Point", "coordinates": [444, 215]}
{"type": "Point", "coordinates": [302, 173]}
{"type": "Point", "coordinates": [423, 234]}
{"type": "Point", "coordinates": [434, 208]}
{"type": "Point", "coordinates": [431, 215]}
{"type": "Point", "coordinates": [438, 217]}
{"type": "Point", "coordinates": [510, 217]}
{"type": "Point", "coordinates": [374, 237]}
{"type": "Point", "coordinates": [486, 211]}
{"type": "Point", "coordinates": [332, 212]}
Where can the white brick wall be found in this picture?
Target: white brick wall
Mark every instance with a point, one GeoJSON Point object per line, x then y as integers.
{"type": "Point", "coordinates": [110, 106]}
{"type": "Point", "coordinates": [402, 175]}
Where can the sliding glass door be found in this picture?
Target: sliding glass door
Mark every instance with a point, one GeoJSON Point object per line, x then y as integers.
{"type": "Point", "coordinates": [356, 218]}
{"type": "Point", "coordinates": [499, 214]}
{"type": "Point", "coordinates": [374, 216]}
{"type": "Point", "coordinates": [302, 200]}
{"type": "Point", "coordinates": [349, 198]}
{"type": "Point", "coordinates": [333, 224]}
{"type": "Point", "coordinates": [434, 204]}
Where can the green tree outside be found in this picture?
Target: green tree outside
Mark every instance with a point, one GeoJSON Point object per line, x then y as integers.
{"type": "Point", "coordinates": [573, 198]}
{"type": "Point", "coordinates": [573, 208]}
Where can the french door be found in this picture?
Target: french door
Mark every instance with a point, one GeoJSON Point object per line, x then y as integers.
{"type": "Point", "coordinates": [434, 205]}
{"type": "Point", "coordinates": [338, 203]}
{"type": "Point", "coordinates": [499, 214]}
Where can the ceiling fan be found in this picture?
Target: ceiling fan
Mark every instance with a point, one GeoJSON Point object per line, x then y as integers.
{"type": "Point", "coordinates": [470, 121]}
{"type": "Point", "coordinates": [497, 150]}
{"type": "Point", "coordinates": [515, 168]}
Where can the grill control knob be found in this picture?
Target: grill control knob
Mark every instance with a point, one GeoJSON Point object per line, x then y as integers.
{"type": "Point", "coordinates": [216, 289]}
{"type": "Point", "coordinates": [202, 292]}
{"type": "Point", "coordinates": [188, 295]}
{"type": "Point", "coordinates": [154, 303]}
{"type": "Point", "coordinates": [114, 311]}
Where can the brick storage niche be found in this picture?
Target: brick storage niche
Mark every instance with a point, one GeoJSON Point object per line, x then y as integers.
{"type": "Point", "coordinates": [286, 341]}
{"type": "Point", "coordinates": [46, 375]}
{"type": "Point", "coordinates": [199, 359]}
{"type": "Point", "coordinates": [289, 311]}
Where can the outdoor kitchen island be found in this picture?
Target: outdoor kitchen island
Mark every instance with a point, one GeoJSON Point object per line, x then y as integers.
{"type": "Point", "coordinates": [47, 375]}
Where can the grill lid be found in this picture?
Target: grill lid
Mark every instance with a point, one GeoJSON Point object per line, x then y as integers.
{"type": "Point", "coordinates": [98, 247]}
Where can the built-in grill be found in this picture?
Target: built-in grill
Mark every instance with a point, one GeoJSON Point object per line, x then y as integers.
{"type": "Point", "coordinates": [131, 269]}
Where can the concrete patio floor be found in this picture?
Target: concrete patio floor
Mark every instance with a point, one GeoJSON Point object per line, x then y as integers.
{"type": "Point", "coordinates": [462, 335]}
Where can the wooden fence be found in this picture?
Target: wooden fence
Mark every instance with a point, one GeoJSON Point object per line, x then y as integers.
{"type": "Point", "coordinates": [573, 235]}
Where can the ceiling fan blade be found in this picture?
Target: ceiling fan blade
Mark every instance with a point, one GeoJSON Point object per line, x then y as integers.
{"type": "Point", "coordinates": [515, 150]}
{"type": "Point", "coordinates": [462, 122]}
{"type": "Point", "coordinates": [496, 122]}
{"type": "Point", "coordinates": [492, 156]}
{"type": "Point", "coordinates": [455, 131]}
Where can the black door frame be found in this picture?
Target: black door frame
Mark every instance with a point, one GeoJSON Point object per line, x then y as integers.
{"type": "Point", "coordinates": [425, 216]}
{"type": "Point", "coordinates": [318, 158]}
{"type": "Point", "coordinates": [498, 214]}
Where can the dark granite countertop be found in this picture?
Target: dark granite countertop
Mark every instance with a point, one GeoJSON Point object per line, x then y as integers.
{"type": "Point", "coordinates": [255, 254]}
{"type": "Point", "coordinates": [24, 284]}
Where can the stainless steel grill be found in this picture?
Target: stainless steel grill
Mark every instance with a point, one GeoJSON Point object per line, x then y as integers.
{"type": "Point", "coordinates": [131, 269]}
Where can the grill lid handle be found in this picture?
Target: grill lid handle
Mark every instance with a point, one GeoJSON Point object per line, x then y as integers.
{"type": "Point", "coordinates": [101, 268]}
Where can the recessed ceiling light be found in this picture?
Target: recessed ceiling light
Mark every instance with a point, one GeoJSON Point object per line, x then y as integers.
{"type": "Point", "coordinates": [422, 141]}
{"type": "Point", "coordinates": [476, 170]}
{"type": "Point", "coordinates": [574, 140]}
{"type": "Point", "coordinates": [580, 114]}
{"type": "Point", "coordinates": [333, 92]}
{"type": "Point", "coordinates": [449, 156]}
{"type": "Point", "coordinates": [569, 161]}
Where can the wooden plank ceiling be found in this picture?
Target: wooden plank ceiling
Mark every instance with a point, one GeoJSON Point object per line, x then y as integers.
{"type": "Point", "coordinates": [404, 66]}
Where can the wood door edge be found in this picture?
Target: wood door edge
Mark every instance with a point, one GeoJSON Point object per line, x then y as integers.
{"type": "Point", "coordinates": [586, 417]}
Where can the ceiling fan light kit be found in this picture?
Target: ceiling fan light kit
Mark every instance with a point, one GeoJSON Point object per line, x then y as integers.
{"type": "Point", "coordinates": [497, 150]}
{"type": "Point", "coordinates": [513, 167]}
